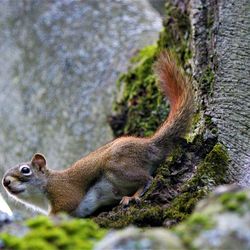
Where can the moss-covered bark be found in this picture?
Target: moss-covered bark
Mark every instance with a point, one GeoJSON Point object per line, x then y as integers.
{"type": "Point", "coordinates": [196, 164]}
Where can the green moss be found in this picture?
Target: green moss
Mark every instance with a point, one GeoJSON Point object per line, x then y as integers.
{"type": "Point", "coordinates": [238, 202]}
{"type": "Point", "coordinates": [196, 119]}
{"type": "Point", "coordinates": [183, 205]}
{"type": "Point", "coordinates": [176, 34]}
{"type": "Point", "coordinates": [144, 54]}
{"type": "Point", "coordinates": [207, 81]}
{"type": "Point", "coordinates": [199, 221]}
{"type": "Point", "coordinates": [195, 126]}
{"type": "Point", "coordinates": [209, 174]}
{"type": "Point", "coordinates": [208, 120]}
{"type": "Point", "coordinates": [141, 215]}
{"type": "Point", "coordinates": [212, 170]}
{"type": "Point", "coordinates": [217, 160]}
{"type": "Point", "coordinates": [59, 234]}
{"type": "Point", "coordinates": [195, 224]}
{"type": "Point", "coordinates": [39, 221]}
{"type": "Point", "coordinates": [142, 108]}
{"type": "Point", "coordinates": [142, 105]}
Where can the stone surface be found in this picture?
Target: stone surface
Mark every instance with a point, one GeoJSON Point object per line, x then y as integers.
{"type": "Point", "coordinates": [229, 209]}
{"type": "Point", "coordinates": [60, 60]}
{"type": "Point", "coordinates": [133, 238]}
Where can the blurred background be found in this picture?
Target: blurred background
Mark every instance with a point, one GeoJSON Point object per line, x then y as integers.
{"type": "Point", "coordinates": [59, 63]}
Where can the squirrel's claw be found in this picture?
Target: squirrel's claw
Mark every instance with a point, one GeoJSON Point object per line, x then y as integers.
{"type": "Point", "coordinates": [127, 199]}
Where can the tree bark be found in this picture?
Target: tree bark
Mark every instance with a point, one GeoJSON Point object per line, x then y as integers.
{"type": "Point", "coordinates": [221, 43]}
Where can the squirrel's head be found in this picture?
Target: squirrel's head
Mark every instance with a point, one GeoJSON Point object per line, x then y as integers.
{"type": "Point", "coordinates": [26, 182]}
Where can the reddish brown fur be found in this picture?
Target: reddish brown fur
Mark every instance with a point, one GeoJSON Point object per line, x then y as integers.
{"type": "Point", "coordinates": [178, 90]}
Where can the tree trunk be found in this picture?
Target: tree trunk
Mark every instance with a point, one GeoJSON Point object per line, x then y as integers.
{"type": "Point", "coordinates": [221, 40]}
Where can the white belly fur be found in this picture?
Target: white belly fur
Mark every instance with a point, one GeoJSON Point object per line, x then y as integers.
{"type": "Point", "coordinates": [102, 193]}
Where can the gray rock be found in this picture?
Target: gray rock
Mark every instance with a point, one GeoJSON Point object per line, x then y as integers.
{"type": "Point", "coordinates": [230, 232]}
{"type": "Point", "coordinates": [5, 218]}
{"type": "Point", "coordinates": [137, 239]}
{"type": "Point", "coordinates": [229, 209]}
{"type": "Point", "coordinates": [59, 63]}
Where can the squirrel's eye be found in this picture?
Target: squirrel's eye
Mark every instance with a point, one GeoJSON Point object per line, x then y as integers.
{"type": "Point", "coordinates": [25, 170]}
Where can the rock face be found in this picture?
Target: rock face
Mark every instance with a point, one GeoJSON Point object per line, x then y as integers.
{"type": "Point", "coordinates": [60, 60]}
{"type": "Point", "coordinates": [222, 221]}
{"type": "Point", "coordinates": [134, 238]}
{"type": "Point", "coordinates": [221, 40]}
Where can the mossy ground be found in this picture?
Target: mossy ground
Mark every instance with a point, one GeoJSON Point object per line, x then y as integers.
{"type": "Point", "coordinates": [61, 233]}
{"type": "Point", "coordinates": [235, 202]}
{"type": "Point", "coordinates": [191, 228]}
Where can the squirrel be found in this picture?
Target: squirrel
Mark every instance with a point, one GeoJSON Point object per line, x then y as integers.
{"type": "Point", "coordinates": [120, 171]}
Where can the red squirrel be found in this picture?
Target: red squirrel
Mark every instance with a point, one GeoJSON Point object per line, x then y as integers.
{"type": "Point", "coordinates": [121, 170]}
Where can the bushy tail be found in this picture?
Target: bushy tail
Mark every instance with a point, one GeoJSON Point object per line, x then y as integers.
{"type": "Point", "coordinates": [178, 89]}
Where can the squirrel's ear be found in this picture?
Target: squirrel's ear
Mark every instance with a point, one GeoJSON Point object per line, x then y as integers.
{"type": "Point", "coordinates": [39, 161]}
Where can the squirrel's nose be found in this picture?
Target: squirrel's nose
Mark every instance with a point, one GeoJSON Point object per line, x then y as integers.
{"type": "Point", "coordinates": [6, 181]}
